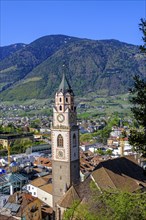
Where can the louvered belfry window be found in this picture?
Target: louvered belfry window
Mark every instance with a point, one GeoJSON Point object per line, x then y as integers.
{"type": "Point", "coordinates": [74, 140]}
{"type": "Point", "coordinates": [60, 108]}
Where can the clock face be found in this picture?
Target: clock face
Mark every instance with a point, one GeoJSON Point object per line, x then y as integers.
{"type": "Point", "coordinates": [60, 154]}
{"type": "Point", "coordinates": [60, 118]}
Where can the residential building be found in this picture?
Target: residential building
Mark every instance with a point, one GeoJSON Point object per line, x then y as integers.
{"type": "Point", "coordinates": [24, 206]}
{"type": "Point", "coordinates": [42, 188]}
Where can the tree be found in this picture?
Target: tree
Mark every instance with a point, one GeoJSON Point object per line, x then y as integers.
{"type": "Point", "coordinates": [122, 205]}
{"type": "Point", "coordinates": [108, 205]}
{"type": "Point", "coordinates": [142, 27]}
{"type": "Point", "coordinates": [35, 123]}
{"type": "Point", "coordinates": [138, 136]}
{"type": "Point", "coordinates": [20, 145]}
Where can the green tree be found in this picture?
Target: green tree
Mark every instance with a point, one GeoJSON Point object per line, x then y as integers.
{"type": "Point", "coordinates": [109, 205]}
{"type": "Point", "coordinates": [138, 136]}
{"type": "Point", "coordinates": [121, 205]}
{"type": "Point", "coordinates": [100, 152]}
{"type": "Point", "coordinates": [80, 212]}
{"type": "Point", "coordinates": [69, 214]}
{"type": "Point", "coordinates": [35, 123]}
{"type": "Point", "coordinates": [108, 152]}
{"type": "Point", "coordinates": [20, 145]}
{"type": "Point", "coordinates": [142, 27]}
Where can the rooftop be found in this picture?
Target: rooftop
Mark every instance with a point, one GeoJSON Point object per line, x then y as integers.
{"type": "Point", "coordinates": [64, 85]}
{"type": "Point", "coordinates": [70, 196]}
{"type": "Point", "coordinates": [121, 173]}
{"type": "Point", "coordinates": [41, 181]}
{"type": "Point", "coordinates": [47, 188]}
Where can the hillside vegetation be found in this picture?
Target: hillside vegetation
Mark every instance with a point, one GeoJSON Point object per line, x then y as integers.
{"type": "Point", "coordinates": [105, 67]}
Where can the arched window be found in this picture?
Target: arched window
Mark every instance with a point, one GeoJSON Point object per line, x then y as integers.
{"type": "Point", "coordinates": [60, 108]}
{"type": "Point", "coordinates": [60, 99]}
{"type": "Point", "coordinates": [66, 100]}
{"type": "Point", "coordinates": [74, 140]}
{"type": "Point", "coordinates": [59, 141]}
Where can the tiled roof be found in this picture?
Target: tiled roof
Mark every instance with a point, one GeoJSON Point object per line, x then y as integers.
{"type": "Point", "coordinates": [83, 189]}
{"type": "Point", "coordinates": [3, 217]}
{"type": "Point", "coordinates": [121, 173]}
{"type": "Point", "coordinates": [40, 181]}
{"type": "Point", "coordinates": [23, 199]}
{"type": "Point", "coordinates": [70, 196]}
{"type": "Point", "coordinates": [47, 188]}
{"type": "Point", "coordinates": [43, 161]}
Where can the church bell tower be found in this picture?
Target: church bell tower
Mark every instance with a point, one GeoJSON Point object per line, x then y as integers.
{"type": "Point", "coordinates": [65, 142]}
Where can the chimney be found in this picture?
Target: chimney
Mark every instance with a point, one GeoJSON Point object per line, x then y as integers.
{"type": "Point", "coordinates": [11, 190]}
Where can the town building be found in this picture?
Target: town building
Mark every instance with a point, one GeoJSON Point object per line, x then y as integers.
{"type": "Point", "coordinates": [42, 188]}
{"type": "Point", "coordinates": [7, 139]}
{"type": "Point", "coordinates": [122, 173]}
{"type": "Point", "coordinates": [24, 206]}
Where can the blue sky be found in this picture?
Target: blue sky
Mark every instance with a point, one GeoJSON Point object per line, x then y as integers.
{"type": "Point", "coordinates": [25, 21]}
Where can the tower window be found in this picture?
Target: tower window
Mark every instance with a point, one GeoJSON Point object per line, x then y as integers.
{"type": "Point", "coordinates": [60, 177]}
{"type": "Point", "coordinates": [60, 141]}
{"type": "Point", "coordinates": [60, 100]}
{"type": "Point", "coordinates": [74, 140]}
{"type": "Point", "coordinates": [66, 99]}
{"type": "Point", "coordinates": [72, 108]}
{"type": "Point", "coordinates": [60, 108]}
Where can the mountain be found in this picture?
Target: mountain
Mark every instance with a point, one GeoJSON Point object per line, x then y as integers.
{"type": "Point", "coordinates": [103, 67]}
{"type": "Point", "coordinates": [8, 50]}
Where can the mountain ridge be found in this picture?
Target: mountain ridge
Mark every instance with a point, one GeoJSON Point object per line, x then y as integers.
{"type": "Point", "coordinates": [104, 66]}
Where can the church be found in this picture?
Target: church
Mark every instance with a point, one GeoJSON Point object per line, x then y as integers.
{"type": "Point", "coordinates": [65, 145]}
{"type": "Point", "coordinates": [118, 173]}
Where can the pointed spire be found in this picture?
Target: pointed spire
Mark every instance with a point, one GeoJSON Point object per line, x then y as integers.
{"type": "Point", "coordinates": [64, 85]}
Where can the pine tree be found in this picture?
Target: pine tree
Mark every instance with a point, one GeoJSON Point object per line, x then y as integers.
{"type": "Point", "coordinates": [138, 137]}
{"type": "Point", "coordinates": [142, 27]}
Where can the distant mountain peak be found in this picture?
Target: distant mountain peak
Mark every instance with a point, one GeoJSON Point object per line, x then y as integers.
{"type": "Point", "coordinates": [101, 66]}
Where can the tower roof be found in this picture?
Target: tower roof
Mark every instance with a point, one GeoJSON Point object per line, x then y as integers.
{"type": "Point", "coordinates": [65, 86]}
